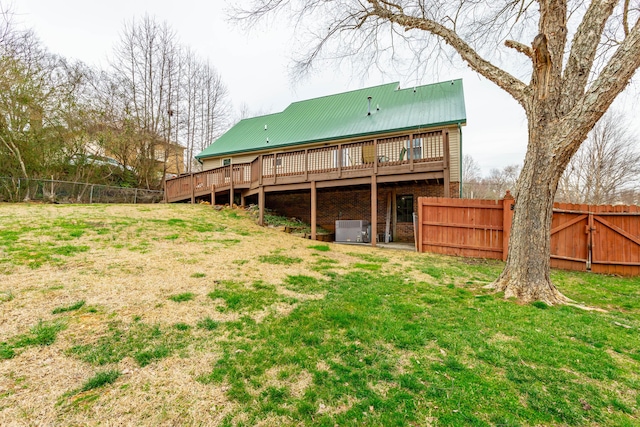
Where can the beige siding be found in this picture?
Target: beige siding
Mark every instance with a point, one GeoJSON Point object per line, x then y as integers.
{"type": "Point", "coordinates": [248, 158]}
{"type": "Point", "coordinates": [454, 154]}
{"type": "Point", "coordinates": [208, 164]}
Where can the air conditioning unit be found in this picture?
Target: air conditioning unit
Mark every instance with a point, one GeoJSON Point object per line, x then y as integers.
{"type": "Point", "coordinates": [353, 231]}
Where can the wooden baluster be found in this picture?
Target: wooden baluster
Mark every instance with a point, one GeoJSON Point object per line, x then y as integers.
{"type": "Point", "coordinates": [375, 156]}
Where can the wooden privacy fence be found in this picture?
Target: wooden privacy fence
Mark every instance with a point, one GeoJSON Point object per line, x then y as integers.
{"type": "Point", "coordinates": [602, 239]}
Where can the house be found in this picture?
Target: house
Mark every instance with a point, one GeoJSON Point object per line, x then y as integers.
{"type": "Point", "coordinates": [156, 156]}
{"type": "Point", "coordinates": [169, 157]}
{"type": "Point", "coordinates": [367, 154]}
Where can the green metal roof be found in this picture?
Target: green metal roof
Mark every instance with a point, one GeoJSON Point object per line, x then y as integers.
{"type": "Point", "coordinates": [345, 116]}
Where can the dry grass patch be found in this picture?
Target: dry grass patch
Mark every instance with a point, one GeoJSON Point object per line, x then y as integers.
{"type": "Point", "coordinates": [266, 329]}
{"type": "Point", "coordinates": [126, 275]}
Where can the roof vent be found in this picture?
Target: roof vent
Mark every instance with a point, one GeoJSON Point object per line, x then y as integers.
{"type": "Point", "coordinates": [377, 107]}
{"type": "Point", "coordinates": [265, 127]}
{"type": "Point", "coordinates": [267, 140]}
{"type": "Point", "coordinates": [369, 110]}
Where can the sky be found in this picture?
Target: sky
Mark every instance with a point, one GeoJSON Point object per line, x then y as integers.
{"type": "Point", "coordinates": [254, 64]}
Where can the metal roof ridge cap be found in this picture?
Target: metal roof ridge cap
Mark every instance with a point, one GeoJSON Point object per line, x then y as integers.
{"type": "Point", "coordinates": [343, 93]}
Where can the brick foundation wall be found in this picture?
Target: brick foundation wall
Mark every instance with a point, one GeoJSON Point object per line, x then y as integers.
{"type": "Point", "coordinates": [355, 203]}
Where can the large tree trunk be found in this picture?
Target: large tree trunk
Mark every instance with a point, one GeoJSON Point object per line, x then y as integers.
{"type": "Point", "coordinates": [526, 274]}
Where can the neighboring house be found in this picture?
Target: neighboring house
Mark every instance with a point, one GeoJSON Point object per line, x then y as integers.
{"type": "Point", "coordinates": [161, 156]}
{"type": "Point", "coordinates": [173, 155]}
{"type": "Point", "coordinates": [361, 155]}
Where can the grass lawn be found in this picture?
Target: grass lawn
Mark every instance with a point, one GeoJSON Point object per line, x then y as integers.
{"type": "Point", "coordinates": [183, 315]}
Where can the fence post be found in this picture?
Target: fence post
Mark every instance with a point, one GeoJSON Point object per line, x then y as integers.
{"type": "Point", "coordinates": [135, 197]}
{"type": "Point", "coordinates": [418, 233]}
{"type": "Point", "coordinates": [508, 203]}
{"type": "Point", "coordinates": [164, 194]}
{"type": "Point", "coordinates": [91, 195]}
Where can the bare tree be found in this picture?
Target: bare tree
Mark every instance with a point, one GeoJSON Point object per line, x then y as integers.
{"type": "Point", "coordinates": [580, 57]}
{"type": "Point", "coordinates": [606, 165]}
{"type": "Point", "coordinates": [501, 180]}
{"type": "Point", "coordinates": [493, 186]}
{"type": "Point", "coordinates": [145, 69]}
{"type": "Point", "coordinates": [205, 106]}
{"type": "Point", "coordinates": [169, 97]}
{"type": "Point", "coordinates": [471, 177]}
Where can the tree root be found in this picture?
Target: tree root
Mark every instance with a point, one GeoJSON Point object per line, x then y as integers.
{"type": "Point", "coordinates": [526, 293]}
{"type": "Point", "coordinates": [552, 297]}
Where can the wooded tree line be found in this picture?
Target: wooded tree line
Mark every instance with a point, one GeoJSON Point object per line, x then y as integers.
{"type": "Point", "coordinates": [147, 114]}
{"type": "Point", "coordinates": [605, 170]}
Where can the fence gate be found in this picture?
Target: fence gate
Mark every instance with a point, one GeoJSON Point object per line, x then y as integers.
{"type": "Point", "coordinates": [571, 238]}
{"type": "Point", "coordinates": [603, 239]}
{"type": "Point", "coordinates": [600, 238]}
{"type": "Point", "coordinates": [615, 240]}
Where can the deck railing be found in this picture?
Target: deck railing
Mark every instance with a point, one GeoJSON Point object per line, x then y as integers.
{"type": "Point", "coordinates": [371, 154]}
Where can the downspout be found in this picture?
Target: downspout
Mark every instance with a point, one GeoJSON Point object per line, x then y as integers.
{"type": "Point", "coordinates": [460, 159]}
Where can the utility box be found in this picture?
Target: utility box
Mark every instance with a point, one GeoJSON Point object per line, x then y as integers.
{"type": "Point", "coordinates": [353, 231]}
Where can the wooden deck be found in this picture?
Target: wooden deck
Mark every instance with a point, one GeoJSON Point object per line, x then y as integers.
{"type": "Point", "coordinates": [418, 156]}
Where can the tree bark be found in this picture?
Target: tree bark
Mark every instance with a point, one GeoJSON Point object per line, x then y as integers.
{"type": "Point", "coordinates": [526, 274]}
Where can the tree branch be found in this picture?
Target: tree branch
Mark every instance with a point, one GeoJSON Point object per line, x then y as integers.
{"type": "Point", "coordinates": [583, 50]}
{"type": "Point", "coordinates": [522, 48]}
{"type": "Point", "coordinates": [516, 88]}
{"type": "Point", "coordinates": [612, 80]}
{"type": "Point", "coordinates": [625, 18]}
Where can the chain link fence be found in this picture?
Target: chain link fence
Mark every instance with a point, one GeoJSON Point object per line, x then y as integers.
{"type": "Point", "coordinates": [53, 191]}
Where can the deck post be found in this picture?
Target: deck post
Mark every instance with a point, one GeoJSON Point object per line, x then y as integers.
{"type": "Point", "coordinates": [374, 210]}
{"type": "Point", "coordinates": [446, 159]}
{"type": "Point", "coordinates": [507, 204]}
{"type": "Point", "coordinates": [242, 199]}
{"type": "Point", "coordinates": [261, 206]}
{"type": "Point", "coordinates": [260, 170]}
{"type": "Point", "coordinates": [213, 196]}
{"type": "Point", "coordinates": [231, 187]}
{"type": "Point", "coordinates": [387, 229]}
{"type": "Point", "coordinates": [306, 164]}
{"type": "Point", "coordinates": [314, 210]}
{"type": "Point", "coordinates": [193, 189]}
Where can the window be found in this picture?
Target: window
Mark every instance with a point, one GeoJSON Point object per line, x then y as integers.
{"type": "Point", "coordinates": [404, 208]}
{"type": "Point", "coordinates": [226, 162]}
{"type": "Point", "coordinates": [159, 155]}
